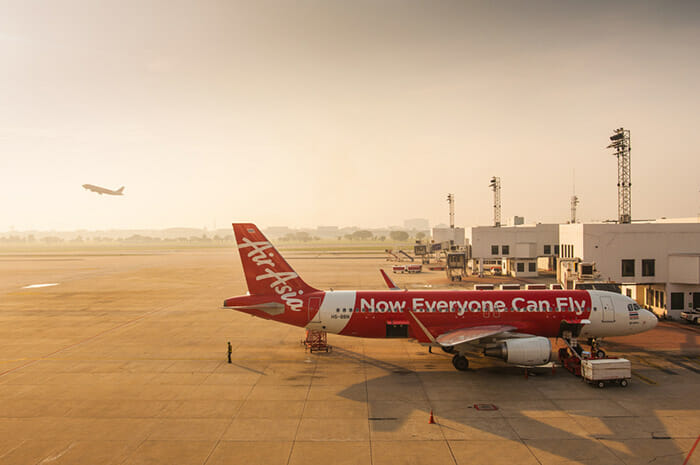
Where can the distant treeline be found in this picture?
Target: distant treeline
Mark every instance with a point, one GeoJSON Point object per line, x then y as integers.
{"type": "Point", "coordinates": [30, 239]}
{"type": "Point", "coordinates": [199, 236]}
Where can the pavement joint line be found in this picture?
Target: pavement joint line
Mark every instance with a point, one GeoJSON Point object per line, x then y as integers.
{"type": "Point", "coordinates": [369, 424]}
{"type": "Point", "coordinates": [439, 424]}
{"type": "Point", "coordinates": [301, 417]}
{"type": "Point", "coordinates": [654, 365]}
{"type": "Point", "coordinates": [233, 418]}
{"type": "Point", "coordinates": [644, 378]}
{"type": "Point", "coordinates": [91, 338]}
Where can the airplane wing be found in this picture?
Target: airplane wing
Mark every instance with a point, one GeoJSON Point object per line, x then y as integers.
{"type": "Point", "coordinates": [389, 282]}
{"type": "Point", "coordinates": [462, 335]}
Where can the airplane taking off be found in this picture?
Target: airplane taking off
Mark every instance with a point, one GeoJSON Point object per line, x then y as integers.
{"type": "Point", "coordinates": [103, 190]}
{"type": "Point", "coordinates": [511, 325]}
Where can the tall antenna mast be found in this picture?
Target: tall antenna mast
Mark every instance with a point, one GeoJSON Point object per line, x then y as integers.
{"type": "Point", "coordinates": [574, 202]}
{"type": "Point", "coordinates": [495, 185]}
{"type": "Point", "coordinates": [451, 201]}
{"type": "Point", "coordinates": [620, 141]}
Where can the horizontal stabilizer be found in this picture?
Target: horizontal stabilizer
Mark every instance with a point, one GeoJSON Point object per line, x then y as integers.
{"type": "Point", "coordinates": [271, 308]}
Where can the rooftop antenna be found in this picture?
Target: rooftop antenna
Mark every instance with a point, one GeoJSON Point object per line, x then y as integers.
{"type": "Point", "coordinates": [620, 141]}
{"type": "Point", "coordinates": [574, 202]}
{"type": "Point", "coordinates": [451, 201]}
{"type": "Point", "coordinates": [495, 185]}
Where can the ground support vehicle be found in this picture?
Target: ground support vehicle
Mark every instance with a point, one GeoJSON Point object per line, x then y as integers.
{"type": "Point", "coordinates": [316, 341]}
{"type": "Point", "coordinates": [607, 370]}
{"type": "Point", "coordinates": [692, 316]}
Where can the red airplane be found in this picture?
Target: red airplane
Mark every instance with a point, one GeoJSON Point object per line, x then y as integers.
{"type": "Point", "coordinates": [511, 325]}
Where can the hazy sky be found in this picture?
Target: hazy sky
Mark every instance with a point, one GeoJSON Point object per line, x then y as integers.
{"type": "Point", "coordinates": [342, 113]}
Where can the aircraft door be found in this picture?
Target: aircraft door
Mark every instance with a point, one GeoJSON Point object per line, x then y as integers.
{"type": "Point", "coordinates": [608, 309]}
{"type": "Point", "coordinates": [314, 309]}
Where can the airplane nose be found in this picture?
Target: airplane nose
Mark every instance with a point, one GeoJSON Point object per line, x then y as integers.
{"type": "Point", "coordinates": [650, 320]}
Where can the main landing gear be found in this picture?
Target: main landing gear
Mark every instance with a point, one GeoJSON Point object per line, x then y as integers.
{"type": "Point", "coordinates": [460, 362]}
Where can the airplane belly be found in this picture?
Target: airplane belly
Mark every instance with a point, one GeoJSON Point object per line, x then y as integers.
{"type": "Point", "coordinates": [335, 312]}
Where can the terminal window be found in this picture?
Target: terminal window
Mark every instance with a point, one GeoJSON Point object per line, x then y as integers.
{"type": "Point", "coordinates": [505, 249]}
{"type": "Point", "coordinates": [521, 267]}
{"type": "Point", "coordinates": [532, 266]}
{"type": "Point", "coordinates": [648, 267]}
{"type": "Point", "coordinates": [556, 249]}
{"type": "Point", "coordinates": [627, 267]}
{"type": "Point", "coordinates": [547, 249]}
{"type": "Point", "coordinates": [494, 250]}
{"type": "Point", "coordinates": [677, 301]}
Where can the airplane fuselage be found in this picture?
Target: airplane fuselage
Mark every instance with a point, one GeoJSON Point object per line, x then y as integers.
{"type": "Point", "coordinates": [378, 314]}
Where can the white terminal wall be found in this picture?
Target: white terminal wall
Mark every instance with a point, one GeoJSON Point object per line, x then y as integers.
{"type": "Point", "coordinates": [449, 234]}
{"type": "Point", "coordinates": [608, 244]}
{"type": "Point", "coordinates": [684, 269]}
{"type": "Point", "coordinates": [525, 241]}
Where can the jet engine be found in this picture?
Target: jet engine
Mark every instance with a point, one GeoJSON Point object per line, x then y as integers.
{"type": "Point", "coordinates": [531, 351]}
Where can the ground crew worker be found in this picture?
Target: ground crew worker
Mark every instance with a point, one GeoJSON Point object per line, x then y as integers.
{"type": "Point", "coordinates": [229, 351]}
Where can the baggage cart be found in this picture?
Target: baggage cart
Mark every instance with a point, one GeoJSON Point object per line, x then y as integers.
{"type": "Point", "coordinates": [606, 370]}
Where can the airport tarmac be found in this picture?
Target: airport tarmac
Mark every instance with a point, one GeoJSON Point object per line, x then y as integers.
{"type": "Point", "coordinates": [123, 361]}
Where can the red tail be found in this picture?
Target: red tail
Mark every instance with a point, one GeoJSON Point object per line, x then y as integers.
{"type": "Point", "coordinates": [266, 272]}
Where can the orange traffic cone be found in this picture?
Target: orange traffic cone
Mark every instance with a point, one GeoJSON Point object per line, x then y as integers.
{"type": "Point", "coordinates": [432, 420]}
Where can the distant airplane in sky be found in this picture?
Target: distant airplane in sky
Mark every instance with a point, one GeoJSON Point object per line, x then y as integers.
{"type": "Point", "coordinates": [512, 325]}
{"type": "Point", "coordinates": [102, 190]}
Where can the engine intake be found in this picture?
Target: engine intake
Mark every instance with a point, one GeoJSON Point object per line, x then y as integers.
{"type": "Point", "coordinates": [531, 351]}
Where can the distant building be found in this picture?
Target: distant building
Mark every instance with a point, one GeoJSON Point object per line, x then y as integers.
{"type": "Point", "coordinates": [518, 220]}
{"type": "Point", "coordinates": [454, 235]}
{"type": "Point", "coordinates": [517, 248]}
{"type": "Point", "coordinates": [277, 231]}
{"type": "Point", "coordinates": [657, 263]}
{"type": "Point", "coordinates": [418, 224]}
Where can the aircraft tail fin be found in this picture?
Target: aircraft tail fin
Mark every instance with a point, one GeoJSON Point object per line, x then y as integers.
{"type": "Point", "coordinates": [120, 190]}
{"type": "Point", "coordinates": [266, 272]}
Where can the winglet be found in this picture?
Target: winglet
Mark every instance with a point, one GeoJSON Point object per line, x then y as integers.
{"type": "Point", "coordinates": [389, 283]}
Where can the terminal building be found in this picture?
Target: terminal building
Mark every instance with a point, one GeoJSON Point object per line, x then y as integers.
{"type": "Point", "coordinates": [656, 263]}
{"type": "Point", "coordinates": [517, 250]}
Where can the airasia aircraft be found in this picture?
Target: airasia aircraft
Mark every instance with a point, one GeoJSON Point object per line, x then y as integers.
{"type": "Point", "coordinates": [512, 325]}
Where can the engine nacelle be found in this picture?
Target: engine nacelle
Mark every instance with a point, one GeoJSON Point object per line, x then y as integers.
{"type": "Point", "coordinates": [531, 351]}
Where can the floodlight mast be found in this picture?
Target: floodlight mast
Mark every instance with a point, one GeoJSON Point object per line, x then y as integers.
{"type": "Point", "coordinates": [495, 185]}
{"type": "Point", "coordinates": [451, 201]}
{"type": "Point", "coordinates": [574, 204]}
{"type": "Point", "coordinates": [620, 142]}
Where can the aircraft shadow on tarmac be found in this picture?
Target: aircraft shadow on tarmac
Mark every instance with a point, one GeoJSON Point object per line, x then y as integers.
{"type": "Point", "coordinates": [398, 406]}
